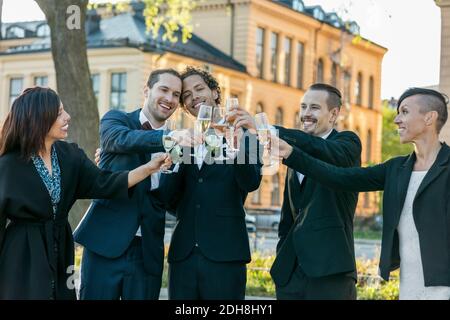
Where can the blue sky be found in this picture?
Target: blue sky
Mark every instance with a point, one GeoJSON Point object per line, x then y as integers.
{"type": "Point", "coordinates": [409, 29]}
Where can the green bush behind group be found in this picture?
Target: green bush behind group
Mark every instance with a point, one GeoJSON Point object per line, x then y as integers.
{"type": "Point", "coordinates": [259, 283]}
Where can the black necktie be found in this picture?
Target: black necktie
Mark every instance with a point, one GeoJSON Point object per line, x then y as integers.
{"type": "Point", "coordinates": [147, 126]}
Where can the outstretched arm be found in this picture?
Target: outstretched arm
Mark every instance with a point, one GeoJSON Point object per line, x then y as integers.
{"type": "Point", "coordinates": [340, 151]}
{"type": "Point", "coordinates": [96, 183]}
{"type": "Point", "coordinates": [117, 137]}
{"type": "Point", "coordinates": [346, 179]}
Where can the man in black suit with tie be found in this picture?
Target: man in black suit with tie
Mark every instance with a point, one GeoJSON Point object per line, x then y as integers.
{"type": "Point", "coordinates": [315, 254]}
{"type": "Point", "coordinates": [124, 239]}
{"type": "Point", "coordinates": [209, 248]}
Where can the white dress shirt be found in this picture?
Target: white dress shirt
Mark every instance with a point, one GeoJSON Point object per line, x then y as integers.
{"type": "Point", "coordinates": [299, 175]}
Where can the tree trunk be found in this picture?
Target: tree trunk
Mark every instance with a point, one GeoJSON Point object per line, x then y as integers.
{"type": "Point", "coordinates": [73, 80]}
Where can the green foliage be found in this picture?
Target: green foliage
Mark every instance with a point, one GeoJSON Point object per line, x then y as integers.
{"type": "Point", "coordinates": [391, 146]}
{"type": "Point", "coordinates": [371, 287]}
{"type": "Point", "coordinates": [259, 281]}
{"type": "Point", "coordinates": [171, 15]}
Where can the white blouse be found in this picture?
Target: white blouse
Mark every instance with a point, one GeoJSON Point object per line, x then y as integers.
{"type": "Point", "coordinates": [411, 271]}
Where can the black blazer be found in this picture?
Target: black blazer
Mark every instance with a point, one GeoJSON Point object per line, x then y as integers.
{"type": "Point", "coordinates": [431, 207]}
{"type": "Point", "coordinates": [316, 226]}
{"type": "Point", "coordinates": [35, 249]}
{"type": "Point", "coordinates": [209, 207]}
{"type": "Point", "coordinates": [109, 226]}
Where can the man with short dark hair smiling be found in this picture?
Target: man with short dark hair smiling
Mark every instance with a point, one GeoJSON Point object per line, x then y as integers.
{"type": "Point", "coordinates": [315, 254]}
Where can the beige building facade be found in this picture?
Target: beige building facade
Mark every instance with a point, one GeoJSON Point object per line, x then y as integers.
{"type": "Point", "coordinates": [444, 79]}
{"type": "Point", "coordinates": [266, 53]}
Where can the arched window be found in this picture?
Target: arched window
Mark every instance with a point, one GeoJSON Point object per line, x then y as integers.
{"type": "Point", "coordinates": [275, 190]}
{"type": "Point", "coordinates": [15, 32]}
{"type": "Point", "coordinates": [369, 146]}
{"type": "Point", "coordinates": [358, 89]}
{"type": "Point", "coordinates": [297, 122]}
{"type": "Point", "coordinates": [256, 196]}
{"type": "Point", "coordinates": [371, 92]}
{"type": "Point", "coordinates": [366, 200]}
{"type": "Point", "coordinates": [347, 84]}
{"type": "Point", "coordinates": [319, 77]}
{"type": "Point", "coordinates": [259, 108]}
{"type": "Point", "coordinates": [43, 31]}
{"type": "Point", "coordinates": [279, 117]}
{"type": "Point", "coordinates": [334, 71]}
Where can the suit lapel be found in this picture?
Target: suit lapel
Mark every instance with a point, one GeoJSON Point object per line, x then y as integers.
{"type": "Point", "coordinates": [436, 169]}
{"type": "Point", "coordinates": [404, 174]}
{"type": "Point", "coordinates": [38, 180]}
{"type": "Point", "coordinates": [134, 116]}
{"type": "Point", "coordinates": [64, 167]}
{"type": "Point", "coordinates": [294, 191]}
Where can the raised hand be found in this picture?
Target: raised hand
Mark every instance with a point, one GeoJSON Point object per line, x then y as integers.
{"type": "Point", "coordinates": [279, 148]}
{"type": "Point", "coordinates": [159, 162]}
{"type": "Point", "coordinates": [185, 138]}
{"type": "Point", "coordinates": [242, 119]}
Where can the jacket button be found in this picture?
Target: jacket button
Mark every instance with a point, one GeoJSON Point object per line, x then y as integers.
{"type": "Point", "coordinates": [197, 206]}
{"type": "Point", "coordinates": [200, 180]}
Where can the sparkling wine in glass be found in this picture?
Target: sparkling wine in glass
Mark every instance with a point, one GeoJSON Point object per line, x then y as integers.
{"type": "Point", "coordinates": [220, 126]}
{"type": "Point", "coordinates": [204, 117]}
{"type": "Point", "coordinates": [231, 104]}
{"type": "Point", "coordinates": [168, 142]}
{"type": "Point", "coordinates": [263, 130]}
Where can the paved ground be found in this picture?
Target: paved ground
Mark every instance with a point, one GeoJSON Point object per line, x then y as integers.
{"type": "Point", "coordinates": [164, 296]}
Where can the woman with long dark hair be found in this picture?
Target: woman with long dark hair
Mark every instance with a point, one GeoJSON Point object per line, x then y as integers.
{"type": "Point", "coordinates": [40, 179]}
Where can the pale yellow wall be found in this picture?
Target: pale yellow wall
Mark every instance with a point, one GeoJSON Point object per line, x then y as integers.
{"type": "Point", "coordinates": [107, 61]}
{"type": "Point", "coordinates": [27, 67]}
{"type": "Point", "coordinates": [211, 14]}
{"type": "Point", "coordinates": [444, 85]}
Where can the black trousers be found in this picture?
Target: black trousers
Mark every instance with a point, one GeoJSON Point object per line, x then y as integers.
{"type": "Point", "coordinates": [302, 287]}
{"type": "Point", "coordinates": [121, 278]}
{"type": "Point", "coordinates": [198, 278]}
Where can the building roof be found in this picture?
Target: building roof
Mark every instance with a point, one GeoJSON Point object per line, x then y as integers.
{"type": "Point", "coordinates": [318, 13]}
{"type": "Point", "coordinates": [129, 30]}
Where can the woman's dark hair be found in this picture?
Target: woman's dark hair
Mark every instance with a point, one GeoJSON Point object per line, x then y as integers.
{"type": "Point", "coordinates": [28, 122]}
{"type": "Point", "coordinates": [431, 100]}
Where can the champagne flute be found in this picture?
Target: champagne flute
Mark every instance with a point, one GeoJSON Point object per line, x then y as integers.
{"type": "Point", "coordinates": [231, 104]}
{"type": "Point", "coordinates": [263, 130]}
{"type": "Point", "coordinates": [168, 142]}
{"type": "Point", "coordinates": [219, 125]}
{"type": "Point", "coordinates": [204, 117]}
{"type": "Point", "coordinates": [203, 120]}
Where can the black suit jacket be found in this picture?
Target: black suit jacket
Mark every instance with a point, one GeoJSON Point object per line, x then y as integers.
{"type": "Point", "coordinates": [316, 227]}
{"type": "Point", "coordinates": [431, 207]}
{"type": "Point", "coordinates": [109, 226]}
{"type": "Point", "coordinates": [35, 248]}
{"type": "Point", "coordinates": [209, 206]}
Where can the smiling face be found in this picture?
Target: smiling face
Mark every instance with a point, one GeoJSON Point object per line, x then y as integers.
{"type": "Point", "coordinates": [412, 122]}
{"type": "Point", "coordinates": [197, 92]}
{"type": "Point", "coordinates": [315, 116]}
{"type": "Point", "coordinates": [60, 127]}
{"type": "Point", "coordinates": [163, 98]}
